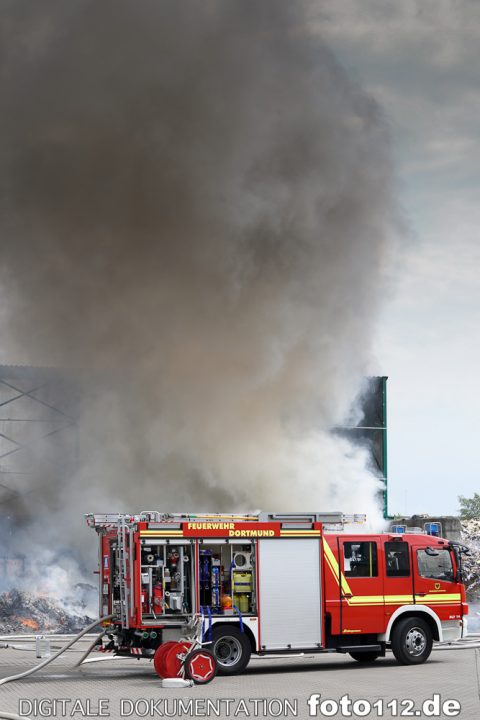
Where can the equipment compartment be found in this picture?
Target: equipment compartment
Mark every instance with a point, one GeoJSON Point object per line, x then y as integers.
{"type": "Point", "coordinates": [227, 578]}
{"type": "Point", "coordinates": [166, 578]}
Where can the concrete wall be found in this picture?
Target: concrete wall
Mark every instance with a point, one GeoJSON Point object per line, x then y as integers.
{"type": "Point", "coordinates": [451, 526]}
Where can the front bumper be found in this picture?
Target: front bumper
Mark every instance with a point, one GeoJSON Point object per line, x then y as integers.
{"type": "Point", "coordinates": [453, 630]}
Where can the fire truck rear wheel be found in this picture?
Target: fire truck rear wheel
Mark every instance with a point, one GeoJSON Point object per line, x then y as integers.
{"type": "Point", "coordinates": [232, 650]}
{"type": "Point", "coordinates": [364, 657]}
{"type": "Point", "coordinates": [412, 641]}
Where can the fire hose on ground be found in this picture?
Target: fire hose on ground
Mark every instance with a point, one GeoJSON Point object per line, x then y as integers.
{"type": "Point", "coordinates": [167, 681]}
{"type": "Point", "coordinates": [467, 643]}
{"type": "Point", "coordinates": [93, 625]}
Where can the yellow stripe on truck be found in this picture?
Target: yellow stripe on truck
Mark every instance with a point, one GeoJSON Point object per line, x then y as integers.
{"type": "Point", "coordinates": [332, 561]}
{"type": "Point", "coordinates": [403, 600]}
{"type": "Point", "coordinates": [161, 533]}
{"type": "Point", "coordinates": [300, 533]}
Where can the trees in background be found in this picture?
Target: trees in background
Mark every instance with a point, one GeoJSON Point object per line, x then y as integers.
{"type": "Point", "coordinates": [469, 507]}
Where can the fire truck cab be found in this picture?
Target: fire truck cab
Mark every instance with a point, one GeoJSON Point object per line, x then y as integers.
{"type": "Point", "coordinates": [271, 583]}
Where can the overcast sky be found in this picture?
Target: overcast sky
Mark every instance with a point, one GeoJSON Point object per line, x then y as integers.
{"type": "Point", "coordinates": [421, 60]}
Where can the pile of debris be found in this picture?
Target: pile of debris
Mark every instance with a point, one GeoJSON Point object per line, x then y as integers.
{"type": "Point", "coordinates": [471, 562]}
{"type": "Point", "coordinates": [26, 612]}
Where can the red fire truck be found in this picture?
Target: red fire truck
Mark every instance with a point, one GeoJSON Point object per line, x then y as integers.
{"type": "Point", "coordinates": [271, 583]}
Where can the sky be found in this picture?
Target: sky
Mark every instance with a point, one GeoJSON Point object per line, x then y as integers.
{"type": "Point", "coordinates": [419, 59]}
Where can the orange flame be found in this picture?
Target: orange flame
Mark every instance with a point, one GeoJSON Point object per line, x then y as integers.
{"type": "Point", "coordinates": [28, 623]}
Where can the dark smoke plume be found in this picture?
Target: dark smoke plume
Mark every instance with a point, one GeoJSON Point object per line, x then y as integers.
{"type": "Point", "coordinates": [195, 195]}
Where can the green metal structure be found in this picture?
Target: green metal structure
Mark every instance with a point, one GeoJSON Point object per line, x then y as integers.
{"type": "Point", "coordinates": [371, 431]}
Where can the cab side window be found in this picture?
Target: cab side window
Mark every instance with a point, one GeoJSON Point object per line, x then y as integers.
{"type": "Point", "coordinates": [397, 559]}
{"type": "Point", "coordinates": [360, 559]}
{"type": "Point", "coordinates": [437, 566]}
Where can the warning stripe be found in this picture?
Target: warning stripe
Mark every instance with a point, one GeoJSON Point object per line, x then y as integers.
{"type": "Point", "coordinates": [300, 533]}
{"type": "Point", "coordinates": [432, 602]}
{"type": "Point", "coordinates": [405, 599]}
{"type": "Point", "coordinates": [444, 597]}
{"type": "Point", "coordinates": [334, 567]}
{"type": "Point", "coordinates": [161, 533]}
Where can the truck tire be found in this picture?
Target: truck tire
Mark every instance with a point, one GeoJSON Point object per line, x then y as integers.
{"type": "Point", "coordinates": [232, 650]}
{"type": "Point", "coordinates": [412, 641]}
{"type": "Point", "coordinates": [365, 657]}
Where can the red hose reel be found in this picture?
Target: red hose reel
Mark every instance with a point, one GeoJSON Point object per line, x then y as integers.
{"type": "Point", "coordinates": [198, 664]}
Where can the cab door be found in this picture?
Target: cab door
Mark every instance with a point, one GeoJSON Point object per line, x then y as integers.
{"type": "Point", "coordinates": [398, 583]}
{"type": "Point", "coordinates": [361, 585]}
{"type": "Point", "coordinates": [436, 584]}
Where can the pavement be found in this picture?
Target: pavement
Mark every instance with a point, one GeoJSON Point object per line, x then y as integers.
{"type": "Point", "coordinates": [269, 688]}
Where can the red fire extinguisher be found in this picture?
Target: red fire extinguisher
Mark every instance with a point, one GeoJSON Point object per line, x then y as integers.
{"type": "Point", "coordinates": [157, 598]}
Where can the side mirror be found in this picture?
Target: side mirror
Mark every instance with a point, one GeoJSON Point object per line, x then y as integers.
{"type": "Point", "coordinates": [458, 550]}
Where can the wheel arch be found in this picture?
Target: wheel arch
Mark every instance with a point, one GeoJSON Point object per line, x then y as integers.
{"type": "Point", "coordinates": [423, 612]}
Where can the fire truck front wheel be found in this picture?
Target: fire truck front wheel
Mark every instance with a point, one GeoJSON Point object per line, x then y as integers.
{"type": "Point", "coordinates": [412, 641]}
{"type": "Point", "coordinates": [232, 650]}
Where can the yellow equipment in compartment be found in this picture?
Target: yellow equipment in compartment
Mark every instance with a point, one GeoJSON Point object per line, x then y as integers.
{"type": "Point", "coordinates": [242, 586]}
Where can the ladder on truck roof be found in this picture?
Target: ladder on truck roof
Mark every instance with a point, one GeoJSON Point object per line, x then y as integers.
{"type": "Point", "coordinates": [330, 520]}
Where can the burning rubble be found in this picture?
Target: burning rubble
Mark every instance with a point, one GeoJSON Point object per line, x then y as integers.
{"type": "Point", "coordinates": [22, 611]}
{"type": "Point", "coordinates": [43, 593]}
{"type": "Point", "coordinates": [471, 562]}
